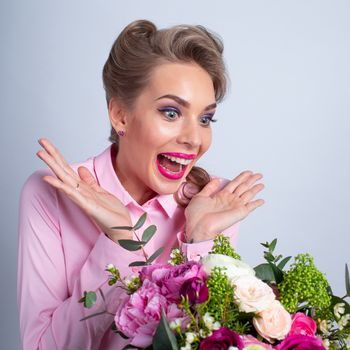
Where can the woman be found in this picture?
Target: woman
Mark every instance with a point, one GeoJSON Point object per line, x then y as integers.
{"type": "Point", "coordinates": [162, 87]}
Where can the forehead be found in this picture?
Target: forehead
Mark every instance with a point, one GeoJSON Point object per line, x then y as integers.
{"type": "Point", "coordinates": [186, 80]}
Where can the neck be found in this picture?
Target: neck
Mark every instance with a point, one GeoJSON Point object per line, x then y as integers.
{"type": "Point", "coordinates": [130, 182]}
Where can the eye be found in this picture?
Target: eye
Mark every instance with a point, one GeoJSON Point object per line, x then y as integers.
{"type": "Point", "coordinates": [170, 113]}
{"type": "Point", "coordinates": [207, 119]}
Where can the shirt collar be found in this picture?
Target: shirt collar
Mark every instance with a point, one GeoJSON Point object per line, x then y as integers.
{"type": "Point", "coordinates": [108, 180]}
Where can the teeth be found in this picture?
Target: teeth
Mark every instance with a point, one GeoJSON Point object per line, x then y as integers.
{"type": "Point", "coordinates": [178, 160]}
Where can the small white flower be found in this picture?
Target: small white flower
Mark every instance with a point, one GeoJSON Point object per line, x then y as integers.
{"type": "Point", "coordinates": [347, 341]}
{"type": "Point", "coordinates": [343, 321]}
{"type": "Point", "coordinates": [216, 325]}
{"type": "Point", "coordinates": [339, 309]}
{"type": "Point", "coordinates": [175, 324]}
{"type": "Point", "coordinates": [208, 321]}
{"type": "Point", "coordinates": [110, 267]}
{"type": "Point", "coordinates": [174, 253]}
{"type": "Point", "coordinates": [323, 326]}
{"type": "Point", "coordinates": [190, 337]}
{"type": "Point", "coordinates": [232, 348]}
{"type": "Point", "coordinates": [186, 347]}
{"type": "Point", "coordinates": [202, 333]}
{"type": "Point", "coordinates": [326, 343]}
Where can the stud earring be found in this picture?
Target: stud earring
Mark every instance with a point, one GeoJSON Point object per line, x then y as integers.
{"type": "Point", "coordinates": [121, 133]}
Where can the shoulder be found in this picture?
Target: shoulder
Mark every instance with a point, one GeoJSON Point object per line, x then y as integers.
{"type": "Point", "coordinates": [36, 191]}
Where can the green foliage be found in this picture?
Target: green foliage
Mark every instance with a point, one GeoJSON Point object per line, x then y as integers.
{"type": "Point", "coordinates": [223, 246]}
{"type": "Point", "coordinates": [164, 338]}
{"type": "Point", "coordinates": [88, 299]}
{"type": "Point", "coordinates": [304, 285]}
{"type": "Point", "coordinates": [221, 304]}
{"type": "Point", "coordinates": [176, 257]}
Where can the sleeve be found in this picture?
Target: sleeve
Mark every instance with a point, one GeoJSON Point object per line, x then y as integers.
{"type": "Point", "coordinates": [194, 251]}
{"type": "Point", "coordinates": [49, 316]}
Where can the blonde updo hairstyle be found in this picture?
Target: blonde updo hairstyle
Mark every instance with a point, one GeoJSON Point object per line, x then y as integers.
{"type": "Point", "coordinates": [140, 48]}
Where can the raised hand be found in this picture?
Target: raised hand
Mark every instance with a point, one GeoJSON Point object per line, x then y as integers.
{"type": "Point", "coordinates": [105, 209]}
{"type": "Point", "coordinates": [211, 211]}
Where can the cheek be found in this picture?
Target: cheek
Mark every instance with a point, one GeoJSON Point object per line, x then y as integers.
{"type": "Point", "coordinates": [206, 140]}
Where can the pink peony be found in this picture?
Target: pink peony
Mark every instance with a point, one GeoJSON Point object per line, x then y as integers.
{"type": "Point", "coordinates": [301, 342]}
{"type": "Point", "coordinates": [171, 278]}
{"type": "Point", "coordinates": [139, 315]}
{"type": "Point", "coordinates": [273, 323]}
{"type": "Point", "coordinates": [251, 343]}
{"type": "Point", "coordinates": [302, 324]}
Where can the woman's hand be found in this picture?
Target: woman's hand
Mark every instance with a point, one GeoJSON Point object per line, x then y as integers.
{"type": "Point", "coordinates": [105, 209]}
{"type": "Point", "coordinates": [210, 212]}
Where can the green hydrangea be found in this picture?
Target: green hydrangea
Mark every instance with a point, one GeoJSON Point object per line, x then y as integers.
{"type": "Point", "coordinates": [305, 285]}
{"type": "Point", "coordinates": [222, 245]}
{"type": "Point", "coordinates": [221, 304]}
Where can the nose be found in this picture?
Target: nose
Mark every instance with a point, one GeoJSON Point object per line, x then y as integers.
{"type": "Point", "coordinates": [190, 134]}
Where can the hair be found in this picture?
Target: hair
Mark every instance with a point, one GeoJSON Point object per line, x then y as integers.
{"type": "Point", "coordinates": [141, 47]}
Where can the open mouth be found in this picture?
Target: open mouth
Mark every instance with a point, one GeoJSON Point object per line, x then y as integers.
{"type": "Point", "coordinates": [171, 166]}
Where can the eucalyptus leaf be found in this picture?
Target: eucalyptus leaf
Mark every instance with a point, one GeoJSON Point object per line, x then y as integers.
{"type": "Point", "coordinates": [266, 245]}
{"type": "Point", "coordinates": [155, 255]}
{"type": "Point", "coordinates": [283, 262]}
{"type": "Point", "coordinates": [272, 245]}
{"type": "Point", "coordinates": [128, 228]}
{"type": "Point", "coordinates": [149, 232]}
{"type": "Point", "coordinates": [88, 299]}
{"type": "Point", "coordinates": [278, 273]}
{"type": "Point", "coordinates": [140, 221]}
{"type": "Point", "coordinates": [164, 338]}
{"type": "Point", "coordinates": [131, 245]}
{"type": "Point", "coordinates": [138, 263]}
{"type": "Point", "coordinates": [347, 280]}
{"type": "Point", "coordinates": [264, 272]}
{"type": "Point", "coordinates": [269, 257]}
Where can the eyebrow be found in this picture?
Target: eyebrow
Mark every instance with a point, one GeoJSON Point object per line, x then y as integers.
{"type": "Point", "coordinates": [185, 103]}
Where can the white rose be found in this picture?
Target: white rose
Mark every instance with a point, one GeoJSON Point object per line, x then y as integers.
{"type": "Point", "coordinates": [252, 294]}
{"type": "Point", "coordinates": [234, 268]}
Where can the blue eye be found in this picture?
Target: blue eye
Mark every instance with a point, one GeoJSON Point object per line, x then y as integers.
{"type": "Point", "coordinates": [207, 119]}
{"type": "Point", "coordinates": [170, 112]}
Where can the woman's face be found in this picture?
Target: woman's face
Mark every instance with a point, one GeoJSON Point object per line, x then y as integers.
{"type": "Point", "coordinates": [167, 131]}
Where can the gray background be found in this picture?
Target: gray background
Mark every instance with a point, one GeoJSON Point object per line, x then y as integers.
{"type": "Point", "coordinates": [287, 113]}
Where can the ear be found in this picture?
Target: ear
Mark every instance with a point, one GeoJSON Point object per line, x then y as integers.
{"type": "Point", "coordinates": [117, 115]}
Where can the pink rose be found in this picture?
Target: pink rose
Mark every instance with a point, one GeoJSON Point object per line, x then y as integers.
{"type": "Point", "coordinates": [139, 315]}
{"type": "Point", "coordinates": [302, 324]}
{"type": "Point", "coordinates": [251, 343]}
{"type": "Point", "coordinates": [170, 278]}
{"type": "Point", "coordinates": [273, 323]}
{"type": "Point", "coordinates": [301, 342]}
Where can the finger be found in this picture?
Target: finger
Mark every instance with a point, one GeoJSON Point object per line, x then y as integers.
{"type": "Point", "coordinates": [57, 169]}
{"type": "Point", "coordinates": [251, 193]}
{"type": "Point", "coordinates": [57, 156]}
{"type": "Point", "coordinates": [245, 186]}
{"type": "Point", "coordinates": [210, 188]}
{"type": "Point", "coordinates": [232, 185]}
{"type": "Point", "coordinates": [89, 179]}
{"type": "Point", "coordinates": [254, 204]}
{"type": "Point", "coordinates": [72, 192]}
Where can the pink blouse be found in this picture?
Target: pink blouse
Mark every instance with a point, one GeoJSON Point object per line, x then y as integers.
{"type": "Point", "coordinates": [62, 253]}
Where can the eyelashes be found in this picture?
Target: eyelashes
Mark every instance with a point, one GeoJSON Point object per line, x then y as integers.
{"type": "Point", "coordinates": [172, 113]}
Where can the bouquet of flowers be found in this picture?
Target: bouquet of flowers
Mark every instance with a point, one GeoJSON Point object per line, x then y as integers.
{"type": "Point", "coordinates": [221, 302]}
